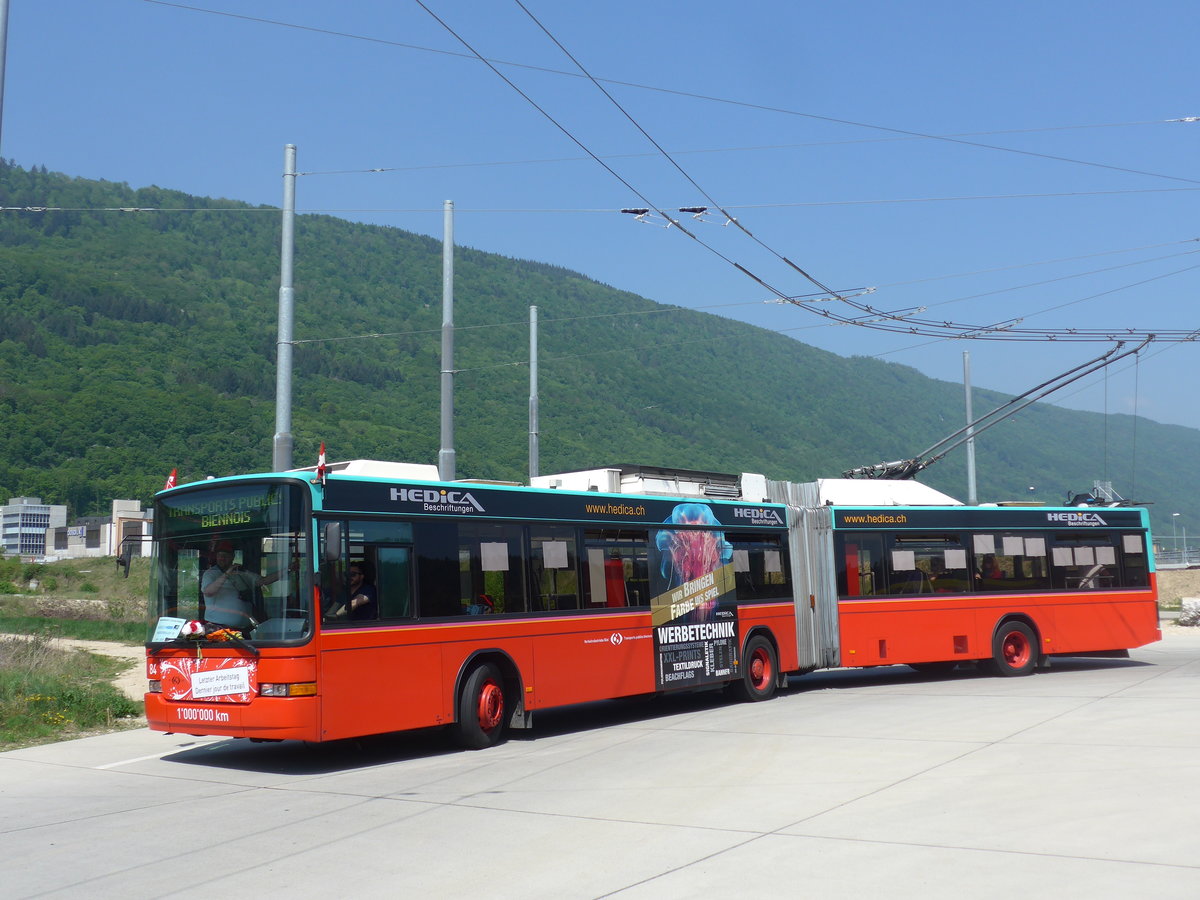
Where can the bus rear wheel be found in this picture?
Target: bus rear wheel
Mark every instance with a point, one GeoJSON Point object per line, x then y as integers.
{"type": "Point", "coordinates": [760, 669]}
{"type": "Point", "coordinates": [1014, 649]}
{"type": "Point", "coordinates": [481, 709]}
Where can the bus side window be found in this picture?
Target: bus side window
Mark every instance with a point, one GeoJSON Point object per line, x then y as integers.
{"type": "Point", "coordinates": [436, 548]}
{"type": "Point", "coordinates": [1086, 562]}
{"type": "Point", "coordinates": [759, 568]}
{"type": "Point", "coordinates": [928, 564]}
{"type": "Point", "coordinates": [616, 568]}
{"type": "Point", "coordinates": [555, 580]}
{"type": "Point", "coordinates": [393, 581]}
{"type": "Point", "coordinates": [1010, 562]}
{"type": "Point", "coordinates": [491, 569]}
{"type": "Point", "coordinates": [860, 571]}
{"type": "Point", "coordinates": [1133, 558]}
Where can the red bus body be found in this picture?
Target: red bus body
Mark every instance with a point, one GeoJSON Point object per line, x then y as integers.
{"type": "Point", "coordinates": [857, 594]}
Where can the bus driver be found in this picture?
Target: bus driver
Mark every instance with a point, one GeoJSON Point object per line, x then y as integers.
{"type": "Point", "coordinates": [229, 591]}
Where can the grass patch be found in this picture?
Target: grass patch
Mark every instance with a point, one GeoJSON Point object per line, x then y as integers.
{"type": "Point", "coordinates": [83, 629]}
{"type": "Point", "coordinates": [97, 578]}
{"type": "Point", "coordinates": [49, 695]}
{"type": "Point", "coordinates": [57, 600]}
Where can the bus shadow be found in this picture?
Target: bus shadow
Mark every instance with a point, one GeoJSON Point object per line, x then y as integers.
{"type": "Point", "coordinates": [876, 676]}
{"type": "Point", "coordinates": [296, 758]}
{"type": "Point", "coordinates": [586, 717]}
{"type": "Point", "coordinates": [300, 758]}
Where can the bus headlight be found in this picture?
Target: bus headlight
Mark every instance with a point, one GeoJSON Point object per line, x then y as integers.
{"type": "Point", "coordinates": [155, 687]}
{"type": "Point", "coordinates": [301, 689]}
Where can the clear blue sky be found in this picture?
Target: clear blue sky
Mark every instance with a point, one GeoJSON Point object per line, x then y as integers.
{"type": "Point", "coordinates": [1105, 232]}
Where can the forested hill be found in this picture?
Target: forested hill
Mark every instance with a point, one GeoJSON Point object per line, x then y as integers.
{"type": "Point", "coordinates": [134, 342]}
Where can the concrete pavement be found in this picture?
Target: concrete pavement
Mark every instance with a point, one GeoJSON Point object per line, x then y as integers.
{"type": "Point", "coordinates": [1080, 781]}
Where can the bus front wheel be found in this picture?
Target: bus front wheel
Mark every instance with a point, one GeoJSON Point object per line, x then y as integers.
{"type": "Point", "coordinates": [481, 708]}
{"type": "Point", "coordinates": [1014, 649]}
{"type": "Point", "coordinates": [760, 669]}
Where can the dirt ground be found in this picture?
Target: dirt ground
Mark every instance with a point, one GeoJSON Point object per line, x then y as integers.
{"type": "Point", "coordinates": [132, 681]}
{"type": "Point", "coordinates": [1174, 584]}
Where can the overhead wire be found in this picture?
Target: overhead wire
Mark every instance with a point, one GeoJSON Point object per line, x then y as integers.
{"type": "Point", "coordinates": [606, 210]}
{"type": "Point", "coordinates": [381, 170]}
{"type": "Point", "coordinates": [1044, 262]}
{"type": "Point", "coordinates": [547, 320]}
{"type": "Point", "coordinates": [903, 320]}
{"type": "Point", "coordinates": [910, 322]}
{"type": "Point", "coordinates": [1060, 278]}
{"type": "Point", "coordinates": [562, 128]}
{"type": "Point", "coordinates": [493, 63]}
{"type": "Point", "coordinates": [730, 219]}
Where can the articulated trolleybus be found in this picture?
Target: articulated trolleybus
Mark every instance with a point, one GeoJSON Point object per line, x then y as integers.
{"type": "Point", "coordinates": [377, 598]}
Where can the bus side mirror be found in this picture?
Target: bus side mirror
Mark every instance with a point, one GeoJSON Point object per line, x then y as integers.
{"type": "Point", "coordinates": [331, 542]}
{"type": "Point", "coordinates": [123, 558]}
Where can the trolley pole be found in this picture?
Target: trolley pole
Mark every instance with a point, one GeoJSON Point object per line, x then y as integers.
{"type": "Point", "coordinates": [281, 457]}
{"type": "Point", "coordinates": [972, 494]}
{"type": "Point", "coordinates": [533, 392]}
{"type": "Point", "coordinates": [446, 458]}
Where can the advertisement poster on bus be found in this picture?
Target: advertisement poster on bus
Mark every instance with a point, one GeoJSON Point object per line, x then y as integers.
{"type": "Point", "coordinates": [694, 604]}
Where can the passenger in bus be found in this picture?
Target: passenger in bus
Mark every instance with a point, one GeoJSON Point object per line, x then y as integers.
{"type": "Point", "coordinates": [940, 580]}
{"type": "Point", "coordinates": [483, 605]}
{"type": "Point", "coordinates": [614, 580]}
{"type": "Point", "coordinates": [364, 599]}
{"type": "Point", "coordinates": [989, 569]}
{"type": "Point", "coordinates": [230, 592]}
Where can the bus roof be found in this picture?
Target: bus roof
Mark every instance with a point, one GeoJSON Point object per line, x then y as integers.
{"type": "Point", "coordinates": [880, 492]}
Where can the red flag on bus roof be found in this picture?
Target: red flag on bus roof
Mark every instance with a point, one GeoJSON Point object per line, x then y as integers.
{"type": "Point", "coordinates": [321, 465]}
{"type": "Point", "coordinates": [170, 480]}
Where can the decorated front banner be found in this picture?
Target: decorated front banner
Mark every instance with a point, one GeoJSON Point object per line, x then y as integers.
{"type": "Point", "coordinates": [215, 679]}
{"type": "Point", "coordinates": [694, 604]}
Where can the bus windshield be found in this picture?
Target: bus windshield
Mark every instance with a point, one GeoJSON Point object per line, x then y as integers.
{"type": "Point", "coordinates": [234, 558]}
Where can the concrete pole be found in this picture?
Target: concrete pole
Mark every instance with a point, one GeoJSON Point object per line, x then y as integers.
{"type": "Point", "coordinates": [281, 458]}
{"type": "Point", "coordinates": [446, 459]}
{"type": "Point", "coordinates": [533, 392]}
{"type": "Point", "coordinates": [972, 494]}
{"type": "Point", "coordinates": [3, 55]}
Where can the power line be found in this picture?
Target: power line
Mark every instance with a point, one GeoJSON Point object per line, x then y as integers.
{"type": "Point", "coordinates": [884, 320]}
{"type": "Point", "coordinates": [963, 198]}
{"type": "Point", "coordinates": [493, 63]}
{"type": "Point", "coordinates": [329, 210]}
{"type": "Point", "coordinates": [1044, 282]}
{"type": "Point", "coordinates": [868, 315]}
{"type": "Point", "coordinates": [1045, 262]}
{"type": "Point", "coordinates": [589, 152]}
{"type": "Point", "coordinates": [377, 170]}
{"type": "Point", "coordinates": [907, 321]}
{"type": "Point", "coordinates": [728, 216]}
{"type": "Point", "coordinates": [524, 323]}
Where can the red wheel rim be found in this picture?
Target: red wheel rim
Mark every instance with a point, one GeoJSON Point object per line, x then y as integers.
{"type": "Point", "coordinates": [491, 705]}
{"type": "Point", "coordinates": [1015, 649]}
{"type": "Point", "coordinates": [760, 668]}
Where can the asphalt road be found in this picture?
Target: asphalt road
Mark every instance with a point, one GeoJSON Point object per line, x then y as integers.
{"type": "Point", "coordinates": [1083, 781]}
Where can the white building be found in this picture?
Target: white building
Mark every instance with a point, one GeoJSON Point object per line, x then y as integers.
{"type": "Point", "coordinates": [101, 535]}
{"type": "Point", "coordinates": [23, 524]}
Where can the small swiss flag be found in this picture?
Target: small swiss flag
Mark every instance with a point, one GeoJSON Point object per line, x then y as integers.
{"type": "Point", "coordinates": [321, 465]}
{"type": "Point", "coordinates": [170, 480]}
